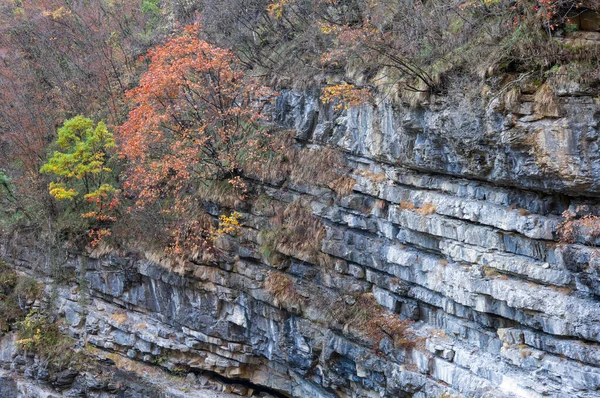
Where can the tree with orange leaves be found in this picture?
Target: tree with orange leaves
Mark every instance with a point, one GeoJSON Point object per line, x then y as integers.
{"type": "Point", "coordinates": [195, 117]}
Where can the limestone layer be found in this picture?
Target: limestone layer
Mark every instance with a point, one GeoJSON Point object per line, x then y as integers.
{"type": "Point", "coordinates": [452, 223]}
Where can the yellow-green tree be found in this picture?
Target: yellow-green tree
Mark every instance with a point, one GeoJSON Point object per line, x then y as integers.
{"type": "Point", "coordinates": [81, 162]}
{"type": "Point", "coordinates": [82, 173]}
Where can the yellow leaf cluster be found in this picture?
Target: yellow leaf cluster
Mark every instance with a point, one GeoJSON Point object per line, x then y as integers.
{"type": "Point", "coordinates": [228, 225]}
{"type": "Point", "coordinates": [345, 95]}
{"type": "Point", "coordinates": [59, 13]}
{"type": "Point", "coordinates": [60, 192]}
{"type": "Point", "coordinates": [82, 156]}
{"type": "Point", "coordinates": [101, 193]}
{"type": "Point", "coordinates": [275, 9]}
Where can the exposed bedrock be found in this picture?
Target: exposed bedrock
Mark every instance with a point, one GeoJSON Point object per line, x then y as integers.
{"type": "Point", "coordinates": [452, 223]}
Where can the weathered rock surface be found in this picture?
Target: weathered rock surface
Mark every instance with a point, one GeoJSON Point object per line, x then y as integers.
{"type": "Point", "coordinates": [501, 309]}
{"type": "Point", "coordinates": [24, 376]}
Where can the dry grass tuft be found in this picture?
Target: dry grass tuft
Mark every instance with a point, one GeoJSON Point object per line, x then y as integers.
{"type": "Point", "coordinates": [222, 193]}
{"type": "Point", "coordinates": [578, 228]}
{"type": "Point", "coordinates": [407, 206]}
{"type": "Point", "coordinates": [367, 317]}
{"type": "Point", "coordinates": [375, 178]}
{"type": "Point", "coordinates": [275, 166]}
{"type": "Point", "coordinates": [297, 233]}
{"type": "Point", "coordinates": [491, 272]}
{"type": "Point", "coordinates": [426, 209]}
{"type": "Point", "coordinates": [179, 264]}
{"type": "Point", "coordinates": [563, 290]}
{"type": "Point", "coordinates": [438, 333]}
{"type": "Point", "coordinates": [343, 186]}
{"type": "Point", "coordinates": [160, 259]}
{"type": "Point", "coordinates": [324, 167]}
{"type": "Point", "coordinates": [265, 205]}
{"type": "Point", "coordinates": [282, 288]}
{"type": "Point", "coordinates": [119, 317]}
{"type": "Point", "coordinates": [316, 166]}
{"type": "Point", "coordinates": [524, 349]}
{"type": "Point", "coordinates": [103, 249]}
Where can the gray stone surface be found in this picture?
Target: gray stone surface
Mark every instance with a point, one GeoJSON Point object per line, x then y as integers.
{"type": "Point", "coordinates": [470, 136]}
{"type": "Point", "coordinates": [501, 308]}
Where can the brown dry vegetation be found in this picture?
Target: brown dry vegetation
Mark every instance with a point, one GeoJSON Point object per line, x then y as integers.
{"type": "Point", "coordinates": [343, 186]}
{"type": "Point", "coordinates": [407, 206]}
{"type": "Point", "coordinates": [375, 178]}
{"type": "Point", "coordinates": [577, 227]}
{"type": "Point", "coordinates": [494, 273]}
{"type": "Point", "coordinates": [276, 164]}
{"type": "Point", "coordinates": [367, 317]}
{"type": "Point", "coordinates": [289, 163]}
{"type": "Point", "coordinates": [426, 209]}
{"type": "Point", "coordinates": [402, 49]}
{"type": "Point", "coordinates": [319, 166]}
{"type": "Point", "coordinates": [282, 288]}
{"type": "Point", "coordinates": [119, 317]}
{"type": "Point", "coordinates": [296, 233]}
{"type": "Point", "coordinates": [221, 192]}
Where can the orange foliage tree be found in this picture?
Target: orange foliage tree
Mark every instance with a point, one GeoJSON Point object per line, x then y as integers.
{"type": "Point", "coordinates": [195, 119]}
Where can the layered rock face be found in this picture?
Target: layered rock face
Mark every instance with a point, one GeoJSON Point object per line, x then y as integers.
{"type": "Point", "coordinates": [451, 223]}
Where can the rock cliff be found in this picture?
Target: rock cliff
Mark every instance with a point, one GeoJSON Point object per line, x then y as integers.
{"type": "Point", "coordinates": [451, 222]}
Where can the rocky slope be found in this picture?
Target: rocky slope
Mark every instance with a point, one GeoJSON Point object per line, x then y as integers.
{"type": "Point", "coordinates": [452, 223]}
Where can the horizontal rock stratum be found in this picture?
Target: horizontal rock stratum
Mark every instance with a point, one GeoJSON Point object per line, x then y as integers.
{"type": "Point", "coordinates": [452, 223]}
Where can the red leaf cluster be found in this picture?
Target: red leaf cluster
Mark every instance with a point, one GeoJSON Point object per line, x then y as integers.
{"type": "Point", "coordinates": [195, 118]}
